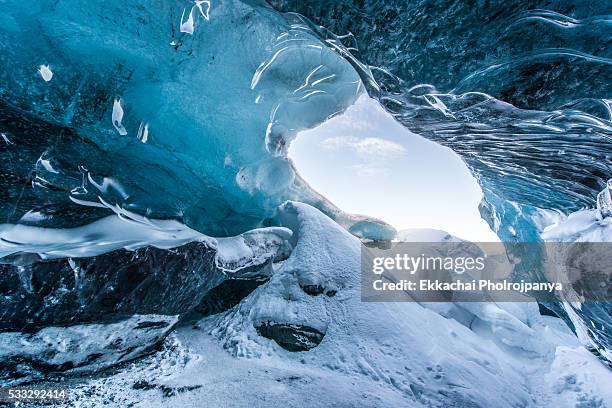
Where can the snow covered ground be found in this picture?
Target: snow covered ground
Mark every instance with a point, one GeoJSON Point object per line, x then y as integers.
{"type": "Point", "coordinates": [369, 354]}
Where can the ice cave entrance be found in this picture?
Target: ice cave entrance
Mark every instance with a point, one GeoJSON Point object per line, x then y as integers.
{"type": "Point", "coordinates": [367, 163]}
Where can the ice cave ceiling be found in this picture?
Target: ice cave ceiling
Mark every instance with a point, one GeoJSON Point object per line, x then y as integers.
{"type": "Point", "coordinates": [152, 117]}
{"type": "Point", "coordinates": [137, 105]}
{"type": "Point", "coordinates": [521, 93]}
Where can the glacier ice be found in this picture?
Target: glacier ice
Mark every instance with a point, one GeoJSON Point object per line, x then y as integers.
{"type": "Point", "coordinates": [118, 279]}
{"type": "Point", "coordinates": [128, 132]}
{"type": "Point", "coordinates": [133, 132]}
{"type": "Point", "coordinates": [119, 120]}
{"type": "Point", "coordinates": [145, 99]}
{"type": "Point", "coordinates": [520, 90]}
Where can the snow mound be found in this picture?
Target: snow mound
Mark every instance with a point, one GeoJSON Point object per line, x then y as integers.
{"type": "Point", "coordinates": [323, 347]}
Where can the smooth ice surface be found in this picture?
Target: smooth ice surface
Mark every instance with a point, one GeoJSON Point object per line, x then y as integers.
{"type": "Point", "coordinates": [45, 72]}
{"type": "Point", "coordinates": [367, 163]}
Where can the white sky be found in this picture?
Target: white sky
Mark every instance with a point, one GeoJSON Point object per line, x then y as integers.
{"type": "Point", "coordinates": [367, 163]}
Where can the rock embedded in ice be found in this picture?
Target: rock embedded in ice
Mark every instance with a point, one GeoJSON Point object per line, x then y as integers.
{"type": "Point", "coordinates": [227, 295]}
{"type": "Point", "coordinates": [41, 286]}
{"type": "Point", "coordinates": [291, 337]}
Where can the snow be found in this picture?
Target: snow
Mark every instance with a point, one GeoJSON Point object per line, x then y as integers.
{"type": "Point", "coordinates": [576, 379]}
{"type": "Point", "coordinates": [85, 346]}
{"type": "Point", "coordinates": [101, 236]}
{"type": "Point", "coordinates": [580, 226]}
{"type": "Point", "coordinates": [372, 354]}
{"type": "Point", "coordinates": [251, 248]}
{"type": "Point", "coordinates": [130, 231]}
{"type": "Point", "coordinates": [591, 320]}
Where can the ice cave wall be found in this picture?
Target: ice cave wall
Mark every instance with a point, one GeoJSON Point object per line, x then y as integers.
{"type": "Point", "coordinates": [167, 108]}
{"type": "Point", "coordinates": [519, 89]}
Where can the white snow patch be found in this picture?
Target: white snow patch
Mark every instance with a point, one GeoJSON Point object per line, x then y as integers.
{"type": "Point", "coordinates": [580, 226]}
{"type": "Point", "coordinates": [578, 379]}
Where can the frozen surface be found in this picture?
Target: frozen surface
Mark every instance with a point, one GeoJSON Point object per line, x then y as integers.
{"type": "Point", "coordinates": [393, 354]}
{"type": "Point", "coordinates": [101, 294]}
{"type": "Point", "coordinates": [520, 90]}
{"type": "Point", "coordinates": [83, 347]}
{"type": "Point", "coordinates": [124, 110]}
{"type": "Point", "coordinates": [591, 319]}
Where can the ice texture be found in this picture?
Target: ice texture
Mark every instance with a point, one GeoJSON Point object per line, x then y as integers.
{"type": "Point", "coordinates": [177, 116]}
{"type": "Point", "coordinates": [129, 131]}
{"type": "Point", "coordinates": [28, 356]}
{"type": "Point", "coordinates": [104, 281]}
{"type": "Point", "coordinates": [151, 109]}
{"type": "Point", "coordinates": [520, 90]}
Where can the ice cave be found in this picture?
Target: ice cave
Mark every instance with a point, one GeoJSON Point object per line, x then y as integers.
{"type": "Point", "coordinates": [188, 189]}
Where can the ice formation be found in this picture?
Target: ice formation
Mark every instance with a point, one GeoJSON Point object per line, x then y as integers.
{"type": "Point", "coordinates": [360, 354]}
{"type": "Point", "coordinates": [507, 86]}
{"type": "Point", "coordinates": [520, 90]}
{"type": "Point", "coordinates": [123, 281]}
{"type": "Point", "coordinates": [218, 118]}
{"type": "Point", "coordinates": [143, 162]}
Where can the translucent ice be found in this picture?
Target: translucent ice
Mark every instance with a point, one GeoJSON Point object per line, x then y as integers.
{"type": "Point", "coordinates": [167, 109]}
